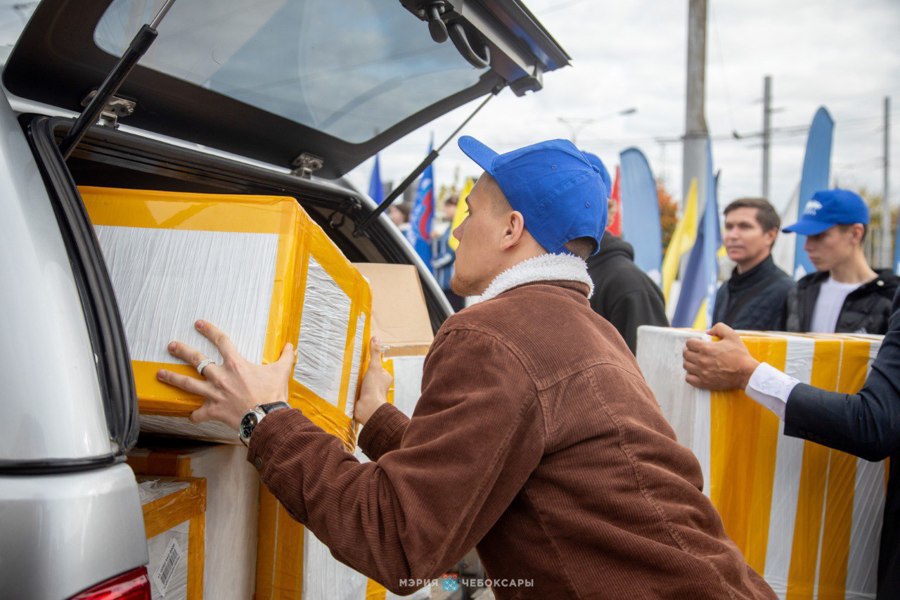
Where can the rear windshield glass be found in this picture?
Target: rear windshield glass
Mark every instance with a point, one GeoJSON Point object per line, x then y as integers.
{"type": "Point", "coordinates": [14, 15]}
{"type": "Point", "coordinates": [349, 68]}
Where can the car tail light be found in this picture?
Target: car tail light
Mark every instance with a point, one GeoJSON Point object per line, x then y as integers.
{"type": "Point", "coordinates": [133, 585]}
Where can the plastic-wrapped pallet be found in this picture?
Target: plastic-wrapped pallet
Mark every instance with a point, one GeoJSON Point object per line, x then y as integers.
{"type": "Point", "coordinates": [256, 266]}
{"type": "Point", "coordinates": [232, 488]}
{"type": "Point", "coordinates": [174, 525]}
{"type": "Point", "coordinates": [806, 517]}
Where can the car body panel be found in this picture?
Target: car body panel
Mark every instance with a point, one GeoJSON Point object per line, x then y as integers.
{"type": "Point", "coordinates": [68, 532]}
{"type": "Point", "coordinates": [52, 406]}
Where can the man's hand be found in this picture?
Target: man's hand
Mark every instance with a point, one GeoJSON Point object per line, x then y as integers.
{"type": "Point", "coordinates": [375, 385]}
{"type": "Point", "coordinates": [722, 365]}
{"type": "Point", "coordinates": [234, 387]}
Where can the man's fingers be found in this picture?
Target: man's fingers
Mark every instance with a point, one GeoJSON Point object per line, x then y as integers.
{"type": "Point", "coordinates": [723, 331]}
{"type": "Point", "coordinates": [186, 353]}
{"type": "Point", "coordinates": [183, 382]}
{"type": "Point", "coordinates": [694, 345]}
{"type": "Point", "coordinates": [201, 414]}
{"type": "Point", "coordinates": [376, 349]}
{"type": "Point", "coordinates": [287, 354]}
{"type": "Point", "coordinates": [218, 337]}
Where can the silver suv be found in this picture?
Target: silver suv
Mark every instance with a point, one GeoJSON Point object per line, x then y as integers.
{"type": "Point", "coordinates": [233, 96]}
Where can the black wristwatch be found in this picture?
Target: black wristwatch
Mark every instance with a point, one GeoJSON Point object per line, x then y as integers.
{"type": "Point", "coordinates": [253, 417]}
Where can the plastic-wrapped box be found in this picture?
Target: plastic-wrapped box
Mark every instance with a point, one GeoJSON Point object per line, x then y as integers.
{"type": "Point", "coordinates": [292, 564]}
{"type": "Point", "coordinates": [256, 266]}
{"type": "Point", "coordinates": [806, 517]}
{"type": "Point", "coordinates": [174, 524]}
{"type": "Point", "coordinates": [232, 487]}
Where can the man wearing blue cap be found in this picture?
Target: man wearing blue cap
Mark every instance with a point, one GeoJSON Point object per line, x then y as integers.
{"type": "Point", "coordinates": [844, 295]}
{"type": "Point", "coordinates": [536, 439]}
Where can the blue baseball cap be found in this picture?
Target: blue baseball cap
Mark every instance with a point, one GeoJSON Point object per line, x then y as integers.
{"type": "Point", "coordinates": [560, 191]}
{"type": "Point", "coordinates": [828, 208]}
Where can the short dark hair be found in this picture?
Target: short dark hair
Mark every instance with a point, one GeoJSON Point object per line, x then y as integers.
{"type": "Point", "coordinates": [766, 216]}
{"type": "Point", "coordinates": [582, 247]}
{"type": "Point", "coordinates": [864, 226]}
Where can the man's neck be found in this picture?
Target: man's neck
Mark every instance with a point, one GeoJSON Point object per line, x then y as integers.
{"type": "Point", "coordinates": [853, 270]}
{"type": "Point", "coordinates": [746, 266]}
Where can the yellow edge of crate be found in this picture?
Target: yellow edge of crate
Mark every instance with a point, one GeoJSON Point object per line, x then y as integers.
{"type": "Point", "coordinates": [746, 436]}
{"type": "Point", "coordinates": [206, 212]}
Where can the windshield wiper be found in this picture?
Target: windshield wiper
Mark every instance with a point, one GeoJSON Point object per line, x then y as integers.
{"type": "Point", "coordinates": [123, 67]}
{"type": "Point", "coordinates": [395, 193]}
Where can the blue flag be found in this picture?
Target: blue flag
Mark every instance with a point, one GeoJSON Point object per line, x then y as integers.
{"type": "Point", "coordinates": [376, 188]}
{"type": "Point", "coordinates": [419, 232]}
{"type": "Point", "coordinates": [640, 212]}
{"type": "Point", "coordinates": [816, 168]}
{"type": "Point", "coordinates": [698, 288]}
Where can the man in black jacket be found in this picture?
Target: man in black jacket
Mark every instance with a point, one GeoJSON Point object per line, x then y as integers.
{"type": "Point", "coordinates": [623, 294]}
{"type": "Point", "coordinates": [845, 295]}
{"type": "Point", "coordinates": [866, 424]}
{"type": "Point", "coordinates": [755, 296]}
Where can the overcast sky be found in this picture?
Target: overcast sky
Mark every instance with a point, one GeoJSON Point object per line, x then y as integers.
{"type": "Point", "coordinates": [838, 54]}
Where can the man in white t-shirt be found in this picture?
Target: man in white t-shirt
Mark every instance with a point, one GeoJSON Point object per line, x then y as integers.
{"type": "Point", "coordinates": [845, 294]}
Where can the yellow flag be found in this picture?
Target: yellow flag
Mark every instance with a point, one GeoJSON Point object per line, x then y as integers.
{"type": "Point", "coordinates": [461, 209]}
{"type": "Point", "coordinates": [682, 240]}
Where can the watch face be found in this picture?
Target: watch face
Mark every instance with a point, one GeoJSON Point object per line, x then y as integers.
{"type": "Point", "coordinates": [248, 423]}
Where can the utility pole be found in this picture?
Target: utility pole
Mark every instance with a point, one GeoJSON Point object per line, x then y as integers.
{"type": "Point", "coordinates": [886, 257]}
{"type": "Point", "coordinates": [695, 131]}
{"type": "Point", "coordinates": [766, 133]}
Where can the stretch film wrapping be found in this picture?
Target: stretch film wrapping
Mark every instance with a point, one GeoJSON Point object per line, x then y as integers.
{"type": "Point", "coordinates": [300, 567]}
{"type": "Point", "coordinates": [256, 266]}
{"type": "Point", "coordinates": [332, 344]}
{"type": "Point", "coordinates": [806, 517]}
{"type": "Point", "coordinates": [174, 525]}
{"type": "Point", "coordinates": [232, 487]}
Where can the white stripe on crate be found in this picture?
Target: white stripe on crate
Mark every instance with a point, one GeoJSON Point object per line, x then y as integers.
{"type": "Point", "coordinates": [165, 279]}
{"type": "Point", "coordinates": [786, 487]}
{"type": "Point", "coordinates": [407, 382]}
{"type": "Point", "coordinates": [868, 500]}
{"type": "Point", "coordinates": [862, 565]}
{"type": "Point", "coordinates": [324, 577]}
{"type": "Point", "coordinates": [323, 335]}
{"type": "Point", "coordinates": [356, 364]}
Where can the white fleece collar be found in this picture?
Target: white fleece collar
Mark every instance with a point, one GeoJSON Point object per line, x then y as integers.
{"type": "Point", "coordinates": [546, 267]}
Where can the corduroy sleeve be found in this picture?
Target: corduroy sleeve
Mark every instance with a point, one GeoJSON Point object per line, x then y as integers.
{"type": "Point", "coordinates": [383, 432]}
{"type": "Point", "coordinates": [477, 436]}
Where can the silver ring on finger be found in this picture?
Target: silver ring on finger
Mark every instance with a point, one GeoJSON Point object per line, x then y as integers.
{"type": "Point", "coordinates": [204, 363]}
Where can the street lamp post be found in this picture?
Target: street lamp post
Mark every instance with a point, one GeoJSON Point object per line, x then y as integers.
{"type": "Point", "coordinates": [577, 124]}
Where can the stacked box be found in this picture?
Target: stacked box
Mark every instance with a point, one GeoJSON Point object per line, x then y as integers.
{"type": "Point", "coordinates": [232, 487]}
{"type": "Point", "coordinates": [174, 524]}
{"type": "Point", "coordinates": [292, 563]}
{"type": "Point", "coordinates": [257, 267]}
{"type": "Point", "coordinates": [806, 517]}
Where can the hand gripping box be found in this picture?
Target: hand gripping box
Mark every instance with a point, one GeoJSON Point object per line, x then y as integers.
{"type": "Point", "coordinates": [806, 517]}
{"type": "Point", "coordinates": [232, 487]}
{"type": "Point", "coordinates": [256, 266]}
{"type": "Point", "coordinates": [174, 524]}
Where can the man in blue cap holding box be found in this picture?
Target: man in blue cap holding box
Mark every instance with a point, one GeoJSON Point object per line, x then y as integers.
{"type": "Point", "coordinates": [844, 295]}
{"type": "Point", "coordinates": [536, 439]}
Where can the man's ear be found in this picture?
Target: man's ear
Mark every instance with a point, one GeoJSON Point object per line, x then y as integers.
{"type": "Point", "coordinates": [514, 228]}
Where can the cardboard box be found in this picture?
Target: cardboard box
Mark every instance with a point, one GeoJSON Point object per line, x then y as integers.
{"type": "Point", "coordinates": [256, 266]}
{"type": "Point", "coordinates": [399, 312]}
{"type": "Point", "coordinates": [174, 525]}
{"type": "Point", "coordinates": [232, 506]}
{"type": "Point", "coordinates": [806, 517]}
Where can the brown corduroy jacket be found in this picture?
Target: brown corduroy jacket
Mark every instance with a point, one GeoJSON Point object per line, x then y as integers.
{"type": "Point", "coordinates": [537, 440]}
